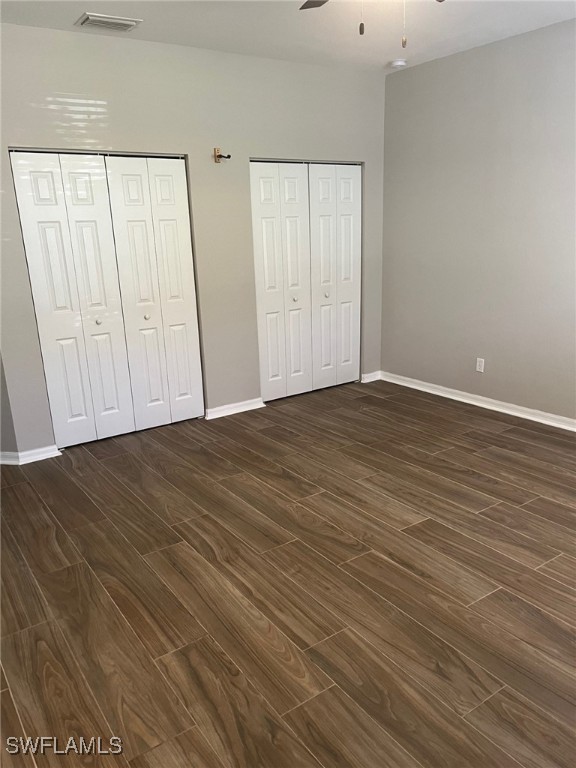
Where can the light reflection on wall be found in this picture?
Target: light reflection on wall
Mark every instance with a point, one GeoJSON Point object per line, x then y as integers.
{"type": "Point", "coordinates": [77, 119]}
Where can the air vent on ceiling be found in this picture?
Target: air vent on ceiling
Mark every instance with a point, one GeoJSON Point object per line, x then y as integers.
{"type": "Point", "coordinates": [103, 21]}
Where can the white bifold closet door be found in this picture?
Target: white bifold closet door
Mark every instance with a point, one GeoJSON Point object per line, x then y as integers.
{"type": "Point", "coordinates": [169, 198]}
{"type": "Point", "coordinates": [72, 264]}
{"type": "Point", "coordinates": [149, 203]}
{"type": "Point", "coordinates": [138, 270]}
{"type": "Point", "coordinates": [280, 213]}
{"type": "Point", "coordinates": [88, 205]}
{"type": "Point", "coordinates": [306, 222]}
{"type": "Point", "coordinates": [109, 254]}
{"type": "Point", "coordinates": [335, 236]}
{"type": "Point", "coordinates": [44, 219]}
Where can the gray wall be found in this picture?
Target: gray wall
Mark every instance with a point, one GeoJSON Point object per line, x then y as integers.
{"type": "Point", "coordinates": [7, 434]}
{"type": "Point", "coordinates": [149, 97]}
{"type": "Point", "coordinates": [479, 221]}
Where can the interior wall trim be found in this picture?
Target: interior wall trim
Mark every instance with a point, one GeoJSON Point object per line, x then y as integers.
{"type": "Point", "coordinates": [231, 408]}
{"type": "Point", "coordinates": [26, 457]}
{"type": "Point", "coordinates": [551, 419]}
{"type": "Point", "coordinates": [366, 378]}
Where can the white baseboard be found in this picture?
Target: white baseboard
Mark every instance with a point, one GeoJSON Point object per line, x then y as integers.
{"type": "Point", "coordinates": [26, 457]}
{"type": "Point", "coordinates": [366, 378]}
{"type": "Point", "coordinates": [552, 419]}
{"type": "Point", "coordinates": [231, 408]}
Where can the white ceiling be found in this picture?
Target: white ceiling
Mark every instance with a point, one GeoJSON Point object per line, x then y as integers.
{"type": "Point", "coordinates": [327, 35]}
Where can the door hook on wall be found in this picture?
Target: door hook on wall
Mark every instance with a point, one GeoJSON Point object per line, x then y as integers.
{"type": "Point", "coordinates": [218, 156]}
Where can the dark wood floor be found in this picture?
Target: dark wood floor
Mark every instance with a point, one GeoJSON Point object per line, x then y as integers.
{"type": "Point", "coordinates": [364, 577]}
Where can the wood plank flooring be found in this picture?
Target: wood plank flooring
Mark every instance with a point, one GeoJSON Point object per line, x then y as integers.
{"type": "Point", "coordinates": [361, 577]}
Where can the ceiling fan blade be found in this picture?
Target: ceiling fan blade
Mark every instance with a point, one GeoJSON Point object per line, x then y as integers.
{"type": "Point", "coordinates": [312, 4]}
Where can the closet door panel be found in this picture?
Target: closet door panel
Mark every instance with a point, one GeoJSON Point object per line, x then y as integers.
{"type": "Point", "coordinates": [269, 268]}
{"type": "Point", "coordinates": [140, 289]}
{"type": "Point", "coordinates": [169, 196]}
{"type": "Point", "coordinates": [42, 208]}
{"type": "Point", "coordinates": [323, 244]}
{"type": "Point", "coordinates": [349, 243]}
{"type": "Point", "coordinates": [88, 206]}
{"type": "Point", "coordinates": [295, 217]}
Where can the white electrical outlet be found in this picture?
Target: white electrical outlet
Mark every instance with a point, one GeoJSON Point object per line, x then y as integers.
{"type": "Point", "coordinates": [480, 364]}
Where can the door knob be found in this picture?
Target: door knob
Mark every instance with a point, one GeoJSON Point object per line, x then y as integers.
{"type": "Point", "coordinates": [98, 321]}
{"type": "Point", "coordinates": [146, 317]}
{"type": "Point", "coordinates": [294, 298]}
{"type": "Point", "coordinates": [326, 295]}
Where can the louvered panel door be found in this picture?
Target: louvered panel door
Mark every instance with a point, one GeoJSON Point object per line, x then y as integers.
{"type": "Point", "coordinates": [139, 285]}
{"type": "Point", "coordinates": [169, 196]}
{"type": "Point", "coordinates": [348, 250]}
{"type": "Point", "coordinates": [44, 222]}
{"type": "Point", "coordinates": [323, 246]}
{"type": "Point", "coordinates": [268, 263]}
{"type": "Point", "coordinates": [88, 206]}
{"type": "Point", "coordinates": [295, 223]}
